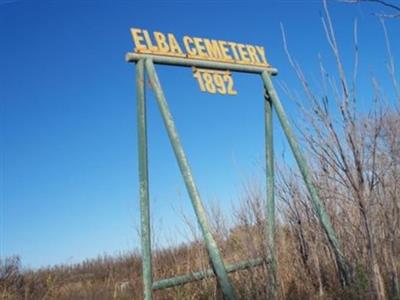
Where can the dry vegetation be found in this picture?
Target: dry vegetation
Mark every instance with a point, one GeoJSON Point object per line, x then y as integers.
{"type": "Point", "coordinates": [355, 159]}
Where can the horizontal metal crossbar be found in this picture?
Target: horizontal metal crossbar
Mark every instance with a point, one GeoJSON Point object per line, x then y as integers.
{"type": "Point", "coordinates": [183, 279]}
{"type": "Point", "coordinates": [190, 62]}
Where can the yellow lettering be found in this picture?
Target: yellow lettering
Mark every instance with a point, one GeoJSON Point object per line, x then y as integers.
{"type": "Point", "coordinates": [224, 50]}
{"type": "Point", "coordinates": [253, 54]}
{"type": "Point", "coordinates": [213, 49]}
{"type": "Point", "coordinates": [261, 53]}
{"type": "Point", "coordinates": [137, 39]}
{"type": "Point", "coordinates": [174, 46]}
{"type": "Point", "coordinates": [149, 43]}
{"type": "Point", "coordinates": [198, 42]}
{"type": "Point", "coordinates": [243, 54]}
{"type": "Point", "coordinates": [194, 47]}
{"type": "Point", "coordinates": [188, 41]}
{"type": "Point", "coordinates": [161, 41]}
{"type": "Point", "coordinates": [234, 52]}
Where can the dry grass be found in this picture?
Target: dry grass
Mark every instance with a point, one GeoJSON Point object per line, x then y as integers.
{"type": "Point", "coordinates": [305, 262]}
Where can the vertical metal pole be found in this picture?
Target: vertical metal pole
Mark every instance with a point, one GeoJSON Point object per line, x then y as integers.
{"type": "Point", "coordinates": [270, 205]}
{"type": "Point", "coordinates": [215, 256]}
{"type": "Point", "coordinates": [143, 182]}
{"type": "Point", "coordinates": [316, 202]}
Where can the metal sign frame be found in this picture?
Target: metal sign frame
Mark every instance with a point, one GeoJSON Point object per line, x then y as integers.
{"type": "Point", "coordinates": [145, 64]}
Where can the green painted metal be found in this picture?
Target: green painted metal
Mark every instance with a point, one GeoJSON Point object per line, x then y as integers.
{"type": "Point", "coordinates": [143, 181]}
{"type": "Point", "coordinates": [187, 62]}
{"type": "Point", "coordinates": [211, 245]}
{"type": "Point", "coordinates": [146, 61]}
{"type": "Point", "coordinates": [270, 203]}
{"type": "Point", "coordinates": [183, 279]}
{"type": "Point", "coordinates": [316, 202]}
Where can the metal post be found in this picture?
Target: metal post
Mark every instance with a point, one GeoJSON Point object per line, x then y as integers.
{"type": "Point", "coordinates": [316, 202]}
{"type": "Point", "coordinates": [143, 182]}
{"type": "Point", "coordinates": [270, 204]}
{"type": "Point", "coordinates": [215, 256]}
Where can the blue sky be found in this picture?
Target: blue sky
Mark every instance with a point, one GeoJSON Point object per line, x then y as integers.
{"type": "Point", "coordinates": [68, 128]}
